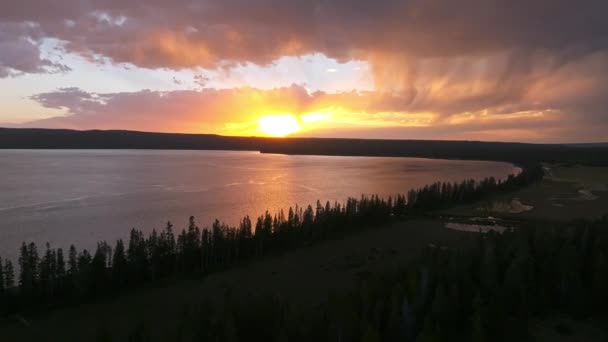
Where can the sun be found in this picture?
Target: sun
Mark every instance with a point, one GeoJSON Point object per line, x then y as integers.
{"type": "Point", "coordinates": [278, 125]}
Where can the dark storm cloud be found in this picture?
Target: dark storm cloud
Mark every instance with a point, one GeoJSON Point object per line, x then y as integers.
{"type": "Point", "coordinates": [209, 33]}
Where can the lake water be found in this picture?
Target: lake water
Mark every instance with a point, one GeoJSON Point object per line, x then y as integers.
{"type": "Point", "coordinates": [82, 196]}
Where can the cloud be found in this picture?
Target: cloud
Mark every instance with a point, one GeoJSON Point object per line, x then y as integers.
{"type": "Point", "coordinates": [209, 110]}
{"type": "Point", "coordinates": [453, 64]}
{"type": "Point", "coordinates": [20, 52]}
{"type": "Point", "coordinates": [201, 80]}
{"type": "Point", "coordinates": [192, 33]}
{"type": "Point", "coordinates": [364, 113]}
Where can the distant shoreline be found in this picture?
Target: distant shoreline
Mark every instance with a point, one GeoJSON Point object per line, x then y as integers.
{"type": "Point", "coordinates": [516, 153]}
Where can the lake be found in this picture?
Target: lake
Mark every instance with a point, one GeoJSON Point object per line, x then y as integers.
{"type": "Point", "coordinates": [83, 196]}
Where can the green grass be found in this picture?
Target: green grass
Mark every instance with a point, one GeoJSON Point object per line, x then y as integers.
{"type": "Point", "coordinates": [585, 175]}
{"type": "Point", "coordinates": [556, 198]}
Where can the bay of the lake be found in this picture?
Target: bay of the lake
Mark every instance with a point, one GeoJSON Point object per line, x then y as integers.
{"type": "Point", "coordinates": [83, 196]}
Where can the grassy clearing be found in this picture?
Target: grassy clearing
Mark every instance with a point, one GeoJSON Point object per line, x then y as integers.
{"type": "Point", "coordinates": [584, 175]}
{"type": "Point", "coordinates": [566, 193]}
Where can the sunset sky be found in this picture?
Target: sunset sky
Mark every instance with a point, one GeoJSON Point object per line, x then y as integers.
{"type": "Point", "coordinates": [502, 70]}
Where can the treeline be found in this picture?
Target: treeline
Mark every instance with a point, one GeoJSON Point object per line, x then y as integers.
{"type": "Point", "coordinates": [491, 292]}
{"type": "Point", "coordinates": [55, 277]}
{"type": "Point", "coordinates": [35, 138]}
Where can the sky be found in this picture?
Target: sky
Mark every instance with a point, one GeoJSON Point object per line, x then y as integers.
{"type": "Point", "coordinates": [497, 70]}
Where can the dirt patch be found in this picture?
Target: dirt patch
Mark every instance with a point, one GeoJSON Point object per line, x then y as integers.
{"type": "Point", "coordinates": [556, 197]}
{"type": "Point", "coordinates": [474, 228]}
{"type": "Point", "coordinates": [586, 195]}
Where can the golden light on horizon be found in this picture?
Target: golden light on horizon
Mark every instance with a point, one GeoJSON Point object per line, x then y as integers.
{"type": "Point", "coordinates": [314, 117]}
{"type": "Point", "coordinates": [278, 125]}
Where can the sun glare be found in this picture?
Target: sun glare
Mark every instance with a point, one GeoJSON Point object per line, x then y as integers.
{"type": "Point", "coordinates": [278, 125]}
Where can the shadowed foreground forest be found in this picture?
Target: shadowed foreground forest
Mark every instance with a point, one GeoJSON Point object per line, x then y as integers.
{"type": "Point", "coordinates": [491, 292]}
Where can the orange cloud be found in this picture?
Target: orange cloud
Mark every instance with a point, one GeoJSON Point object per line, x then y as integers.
{"type": "Point", "coordinates": [250, 111]}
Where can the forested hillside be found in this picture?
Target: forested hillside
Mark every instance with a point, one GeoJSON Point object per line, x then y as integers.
{"type": "Point", "coordinates": [471, 150]}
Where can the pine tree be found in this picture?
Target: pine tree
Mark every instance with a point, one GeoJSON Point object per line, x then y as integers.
{"type": "Point", "coordinates": [46, 269]}
{"type": "Point", "coordinates": [395, 327]}
{"type": "Point", "coordinates": [98, 276]}
{"type": "Point", "coordinates": [260, 236]}
{"type": "Point", "coordinates": [28, 271]}
{"type": "Point", "coordinates": [34, 259]}
{"type": "Point", "coordinates": [205, 250]}
{"type": "Point", "coordinates": [229, 331]}
{"type": "Point", "coordinates": [440, 307]}
{"type": "Point", "coordinates": [192, 247]}
{"type": "Point", "coordinates": [119, 266]}
{"type": "Point", "coordinates": [103, 334]}
{"type": "Point", "coordinates": [72, 261]}
{"type": "Point", "coordinates": [168, 251]}
{"type": "Point", "coordinates": [9, 274]}
{"type": "Point", "coordinates": [138, 334]}
{"type": "Point", "coordinates": [137, 257]}
{"type": "Point", "coordinates": [82, 279]}
{"type": "Point", "coordinates": [2, 281]}
{"type": "Point", "coordinates": [370, 334]}
{"type": "Point", "coordinates": [477, 333]}
{"type": "Point", "coordinates": [61, 272]}
{"type": "Point", "coordinates": [427, 334]}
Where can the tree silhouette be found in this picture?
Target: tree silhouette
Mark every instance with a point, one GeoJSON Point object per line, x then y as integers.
{"type": "Point", "coordinates": [9, 275]}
